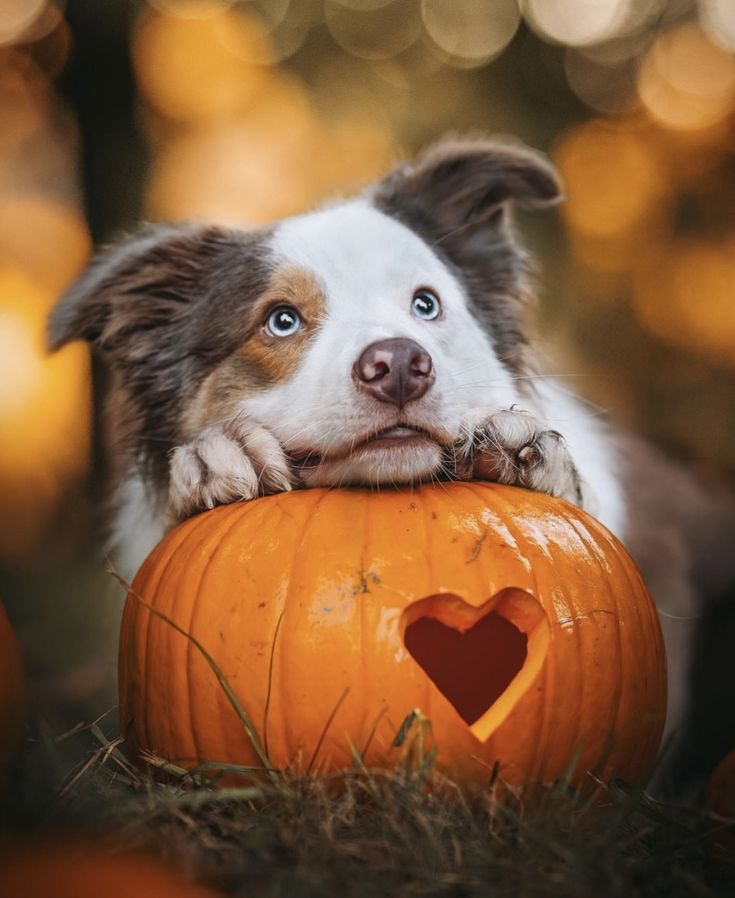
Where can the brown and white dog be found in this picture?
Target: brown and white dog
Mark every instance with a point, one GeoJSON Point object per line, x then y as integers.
{"type": "Point", "coordinates": [381, 340]}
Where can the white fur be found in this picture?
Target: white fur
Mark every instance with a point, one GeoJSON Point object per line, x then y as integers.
{"type": "Point", "coordinates": [369, 266]}
{"type": "Point", "coordinates": [590, 446]}
{"type": "Point", "coordinates": [138, 526]}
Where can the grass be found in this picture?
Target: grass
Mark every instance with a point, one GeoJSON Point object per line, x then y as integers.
{"type": "Point", "coordinates": [403, 831]}
{"type": "Point", "coordinates": [407, 831]}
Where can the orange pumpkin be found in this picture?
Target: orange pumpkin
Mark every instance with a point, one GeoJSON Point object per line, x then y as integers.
{"type": "Point", "coordinates": [12, 694]}
{"type": "Point", "coordinates": [76, 868]}
{"type": "Point", "coordinates": [514, 621]}
{"type": "Point", "coordinates": [721, 791]}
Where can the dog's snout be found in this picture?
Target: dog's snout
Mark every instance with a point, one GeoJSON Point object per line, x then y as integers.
{"type": "Point", "coordinates": [395, 371]}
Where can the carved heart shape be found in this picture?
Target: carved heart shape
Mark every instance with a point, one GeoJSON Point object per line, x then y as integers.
{"type": "Point", "coordinates": [481, 658]}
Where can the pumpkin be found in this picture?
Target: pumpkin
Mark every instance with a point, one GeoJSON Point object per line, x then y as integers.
{"type": "Point", "coordinates": [515, 622]}
{"type": "Point", "coordinates": [12, 695]}
{"type": "Point", "coordinates": [721, 796]}
{"type": "Point", "coordinates": [76, 868]}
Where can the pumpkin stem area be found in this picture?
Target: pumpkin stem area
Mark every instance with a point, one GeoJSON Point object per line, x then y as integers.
{"type": "Point", "coordinates": [477, 656]}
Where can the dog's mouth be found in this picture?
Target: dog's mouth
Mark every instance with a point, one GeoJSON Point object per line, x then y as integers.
{"type": "Point", "coordinates": [396, 436]}
{"type": "Point", "coordinates": [389, 437]}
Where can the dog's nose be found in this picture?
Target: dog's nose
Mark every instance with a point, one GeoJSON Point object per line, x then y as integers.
{"type": "Point", "coordinates": [395, 371]}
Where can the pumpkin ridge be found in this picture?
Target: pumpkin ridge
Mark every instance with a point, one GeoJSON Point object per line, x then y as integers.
{"type": "Point", "coordinates": [178, 606]}
{"type": "Point", "coordinates": [644, 628]}
{"type": "Point", "coordinates": [286, 519]}
{"type": "Point", "coordinates": [366, 650]}
{"type": "Point", "coordinates": [306, 516]}
{"type": "Point", "coordinates": [579, 742]}
{"type": "Point", "coordinates": [280, 614]}
{"type": "Point", "coordinates": [542, 730]}
{"type": "Point", "coordinates": [187, 599]}
{"type": "Point", "coordinates": [606, 578]}
{"type": "Point", "coordinates": [647, 629]}
{"type": "Point", "coordinates": [178, 539]}
{"type": "Point", "coordinates": [240, 513]}
{"type": "Point", "coordinates": [427, 692]}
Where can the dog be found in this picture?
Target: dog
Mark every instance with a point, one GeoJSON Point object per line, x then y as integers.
{"type": "Point", "coordinates": [379, 340]}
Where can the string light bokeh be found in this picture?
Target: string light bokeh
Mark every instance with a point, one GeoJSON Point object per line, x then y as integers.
{"type": "Point", "coordinates": [245, 111]}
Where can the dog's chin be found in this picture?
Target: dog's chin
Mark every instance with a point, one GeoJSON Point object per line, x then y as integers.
{"type": "Point", "coordinates": [385, 463]}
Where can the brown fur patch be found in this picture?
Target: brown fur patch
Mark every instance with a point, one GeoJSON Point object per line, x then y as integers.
{"type": "Point", "coordinates": [162, 310]}
{"type": "Point", "coordinates": [262, 359]}
{"type": "Point", "coordinates": [276, 358]}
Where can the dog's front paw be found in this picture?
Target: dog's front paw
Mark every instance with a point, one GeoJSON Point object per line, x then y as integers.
{"type": "Point", "coordinates": [237, 460]}
{"type": "Point", "coordinates": [515, 448]}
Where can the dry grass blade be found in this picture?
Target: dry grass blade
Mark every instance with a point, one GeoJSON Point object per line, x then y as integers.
{"type": "Point", "coordinates": [270, 683]}
{"type": "Point", "coordinates": [197, 797]}
{"type": "Point", "coordinates": [325, 730]}
{"type": "Point", "coordinates": [229, 692]}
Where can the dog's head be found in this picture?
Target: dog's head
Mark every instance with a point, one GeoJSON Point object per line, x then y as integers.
{"type": "Point", "coordinates": [360, 334]}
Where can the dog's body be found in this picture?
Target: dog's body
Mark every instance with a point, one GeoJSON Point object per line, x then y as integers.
{"type": "Point", "coordinates": [380, 341]}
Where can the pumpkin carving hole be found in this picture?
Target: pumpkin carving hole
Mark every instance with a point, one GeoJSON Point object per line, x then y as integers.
{"type": "Point", "coordinates": [482, 659]}
{"type": "Point", "coordinates": [471, 669]}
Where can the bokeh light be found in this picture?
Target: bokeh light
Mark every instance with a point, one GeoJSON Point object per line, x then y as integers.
{"type": "Point", "coordinates": [377, 33]}
{"type": "Point", "coordinates": [190, 9]}
{"type": "Point", "coordinates": [44, 244]}
{"type": "Point", "coordinates": [604, 87]}
{"type": "Point", "coordinates": [576, 22]}
{"type": "Point", "coordinates": [44, 415]}
{"type": "Point", "coordinates": [197, 68]}
{"type": "Point", "coordinates": [229, 175]}
{"type": "Point", "coordinates": [718, 19]}
{"type": "Point", "coordinates": [471, 32]}
{"type": "Point", "coordinates": [616, 189]}
{"type": "Point", "coordinates": [48, 240]}
{"type": "Point", "coordinates": [288, 25]}
{"type": "Point", "coordinates": [21, 359]}
{"type": "Point", "coordinates": [262, 150]}
{"type": "Point", "coordinates": [24, 103]}
{"type": "Point", "coordinates": [685, 296]}
{"type": "Point", "coordinates": [686, 81]}
{"type": "Point", "coordinates": [17, 16]}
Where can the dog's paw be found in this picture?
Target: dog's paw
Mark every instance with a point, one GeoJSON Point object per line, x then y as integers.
{"type": "Point", "coordinates": [237, 460]}
{"type": "Point", "coordinates": [515, 448]}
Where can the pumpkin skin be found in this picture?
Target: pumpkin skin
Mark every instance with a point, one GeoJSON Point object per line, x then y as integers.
{"type": "Point", "coordinates": [721, 796]}
{"type": "Point", "coordinates": [77, 868]}
{"type": "Point", "coordinates": [329, 589]}
{"type": "Point", "coordinates": [12, 695]}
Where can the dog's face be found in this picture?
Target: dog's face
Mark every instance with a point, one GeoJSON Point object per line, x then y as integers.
{"type": "Point", "coordinates": [360, 335]}
{"type": "Point", "coordinates": [373, 346]}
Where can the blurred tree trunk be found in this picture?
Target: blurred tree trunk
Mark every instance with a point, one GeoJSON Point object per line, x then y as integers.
{"type": "Point", "coordinates": [99, 86]}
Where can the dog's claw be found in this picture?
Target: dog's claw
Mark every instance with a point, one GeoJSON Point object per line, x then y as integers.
{"type": "Point", "coordinates": [513, 447]}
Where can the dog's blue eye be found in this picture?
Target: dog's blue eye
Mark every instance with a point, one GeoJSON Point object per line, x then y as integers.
{"type": "Point", "coordinates": [426, 305]}
{"type": "Point", "coordinates": [283, 321]}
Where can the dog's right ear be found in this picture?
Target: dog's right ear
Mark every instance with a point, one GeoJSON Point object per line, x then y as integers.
{"type": "Point", "coordinates": [141, 287]}
{"type": "Point", "coordinates": [467, 186]}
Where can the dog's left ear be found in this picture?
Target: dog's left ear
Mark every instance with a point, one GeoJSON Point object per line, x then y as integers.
{"type": "Point", "coordinates": [467, 184]}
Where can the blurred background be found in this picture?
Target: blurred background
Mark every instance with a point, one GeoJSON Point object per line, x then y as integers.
{"type": "Point", "coordinates": [249, 110]}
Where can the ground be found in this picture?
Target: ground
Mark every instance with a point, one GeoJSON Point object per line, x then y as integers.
{"type": "Point", "coordinates": [405, 831]}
